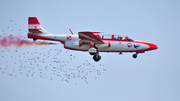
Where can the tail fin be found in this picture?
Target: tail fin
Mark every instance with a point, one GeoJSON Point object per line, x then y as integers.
{"type": "Point", "coordinates": [34, 26]}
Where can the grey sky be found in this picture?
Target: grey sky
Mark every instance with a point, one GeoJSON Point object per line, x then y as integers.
{"type": "Point", "coordinates": [153, 76]}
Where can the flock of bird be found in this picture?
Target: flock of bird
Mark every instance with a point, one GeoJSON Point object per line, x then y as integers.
{"type": "Point", "coordinates": [47, 64]}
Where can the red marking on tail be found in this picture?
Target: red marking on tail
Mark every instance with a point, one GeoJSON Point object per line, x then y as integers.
{"type": "Point", "coordinates": [33, 20]}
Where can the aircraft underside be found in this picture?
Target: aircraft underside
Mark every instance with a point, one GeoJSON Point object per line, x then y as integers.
{"type": "Point", "coordinates": [115, 47]}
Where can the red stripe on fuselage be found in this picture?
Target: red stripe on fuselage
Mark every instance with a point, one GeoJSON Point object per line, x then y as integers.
{"type": "Point", "coordinates": [116, 40]}
{"type": "Point", "coordinates": [140, 51]}
{"type": "Point", "coordinates": [43, 38]}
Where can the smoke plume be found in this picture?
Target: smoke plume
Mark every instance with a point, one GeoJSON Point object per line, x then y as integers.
{"type": "Point", "coordinates": [20, 41]}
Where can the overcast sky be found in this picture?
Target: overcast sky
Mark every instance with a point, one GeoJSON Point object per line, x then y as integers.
{"type": "Point", "coordinates": [44, 73]}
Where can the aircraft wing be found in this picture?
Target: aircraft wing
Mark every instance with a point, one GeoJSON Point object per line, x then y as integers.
{"type": "Point", "coordinates": [89, 37]}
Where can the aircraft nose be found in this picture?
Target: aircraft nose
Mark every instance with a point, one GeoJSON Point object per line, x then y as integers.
{"type": "Point", "coordinates": [153, 46]}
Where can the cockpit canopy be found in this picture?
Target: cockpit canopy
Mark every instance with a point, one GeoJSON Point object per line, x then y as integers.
{"type": "Point", "coordinates": [117, 37]}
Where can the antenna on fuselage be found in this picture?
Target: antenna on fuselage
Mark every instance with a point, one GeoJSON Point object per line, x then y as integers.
{"type": "Point", "coordinates": [71, 31]}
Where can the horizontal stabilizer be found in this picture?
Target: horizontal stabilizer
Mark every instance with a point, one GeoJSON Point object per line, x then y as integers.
{"type": "Point", "coordinates": [35, 30]}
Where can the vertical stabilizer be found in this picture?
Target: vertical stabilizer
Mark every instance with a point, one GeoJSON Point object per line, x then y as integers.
{"type": "Point", "coordinates": [35, 27]}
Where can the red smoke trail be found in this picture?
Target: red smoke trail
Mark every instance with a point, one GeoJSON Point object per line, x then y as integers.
{"type": "Point", "coordinates": [19, 41]}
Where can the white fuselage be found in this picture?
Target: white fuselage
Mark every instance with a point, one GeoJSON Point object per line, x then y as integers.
{"type": "Point", "coordinates": [72, 42]}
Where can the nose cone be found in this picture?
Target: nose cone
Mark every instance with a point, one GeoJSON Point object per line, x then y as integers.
{"type": "Point", "coordinates": [153, 46]}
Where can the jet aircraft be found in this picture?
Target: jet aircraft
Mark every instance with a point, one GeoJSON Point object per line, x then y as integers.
{"type": "Point", "coordinates": [93, 42]}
